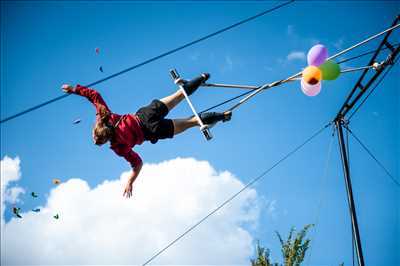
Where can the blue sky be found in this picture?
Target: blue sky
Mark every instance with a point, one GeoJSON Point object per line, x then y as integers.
{"type": "Point", "coordinates": [46, 44]}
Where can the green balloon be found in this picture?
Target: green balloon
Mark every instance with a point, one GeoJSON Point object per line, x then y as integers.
{"type": "Point", "coordinates": [330, 70]}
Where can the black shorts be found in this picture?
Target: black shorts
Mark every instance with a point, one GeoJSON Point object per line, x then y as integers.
{"type": "Point", "coordinates": [153, 123]}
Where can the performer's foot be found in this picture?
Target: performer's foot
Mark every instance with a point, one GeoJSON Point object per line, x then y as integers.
{"type": "Point", "coordinates": [211, 118]}
{"type": "Point", "coordinates": [227, 116]}
{"type": "Point", "coordinates": [192, 85]}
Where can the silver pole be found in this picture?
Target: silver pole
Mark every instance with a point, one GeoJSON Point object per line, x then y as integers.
{"type": "Point", "coordinates": [365, 41]}
{"type": "Point", "coordinates": [354, 69]}
{"type": "Point", "coordinates": [230, 86]}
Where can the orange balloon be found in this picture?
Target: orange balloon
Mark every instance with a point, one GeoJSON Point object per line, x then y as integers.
{"type": "Point", "coordinates": [312, 75]}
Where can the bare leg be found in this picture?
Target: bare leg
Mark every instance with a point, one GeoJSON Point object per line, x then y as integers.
{"type": "Point", "coordinates": [181, 125]}
{"type": "Point", "coordinates": [172, 100]}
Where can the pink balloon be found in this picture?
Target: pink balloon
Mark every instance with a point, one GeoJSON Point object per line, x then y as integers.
{"type": "Point", "coordinates": [310, 90]}
{"type": "Point", "coordinates": [97, 50]}
{"type": "Point", "coordinates": [317, 55]}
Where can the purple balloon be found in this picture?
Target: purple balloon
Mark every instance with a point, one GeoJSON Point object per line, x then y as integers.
{"type": "Point", "coordinates": [317, 55]}
{"type": "Point", "coordinates": [310, 90]}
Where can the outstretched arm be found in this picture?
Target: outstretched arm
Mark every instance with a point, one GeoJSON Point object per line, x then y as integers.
{"type": "Point", "coordinates": [92, 95]}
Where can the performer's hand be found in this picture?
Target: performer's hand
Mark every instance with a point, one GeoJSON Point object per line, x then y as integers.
{"type": "Point", "coordinates": [67, 88]}
{"type": "Point", "coordinates": [135, 172]}
{"type": "Point", "coordinates": [128, 190]}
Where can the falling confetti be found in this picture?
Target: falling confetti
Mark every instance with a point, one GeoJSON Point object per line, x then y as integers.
{"type": "Point", "coordinates": [16, 212]}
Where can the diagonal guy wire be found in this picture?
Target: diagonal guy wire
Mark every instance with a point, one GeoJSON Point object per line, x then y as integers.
{"type": "Point", "coordinates": [236, 194]}
{"type": "Point", "coordinates": [373, 157]}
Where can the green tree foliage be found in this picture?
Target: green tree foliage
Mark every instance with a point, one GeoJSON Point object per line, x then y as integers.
{"type": "Point", "coordinates": [262, 258]}
{"type": "Point", "coordinates": [293, 249]}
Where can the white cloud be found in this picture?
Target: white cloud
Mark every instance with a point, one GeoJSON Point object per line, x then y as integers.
{"type": "Point", "coordinates": [296, 55]}
{"type": "Point", "coordinates": [10, 172]}
{"type": "Point", "coordinates": [98, 226]}
{"type": "Point", "coordinates": [11, 195]}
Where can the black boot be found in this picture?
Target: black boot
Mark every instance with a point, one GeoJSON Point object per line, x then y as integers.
{"type": "Point", "coordinates": [192, 85]}
{"type": "Point", "coordinates": [211, 118]}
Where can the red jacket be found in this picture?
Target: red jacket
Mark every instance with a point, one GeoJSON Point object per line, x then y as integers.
{"type": "Point", "coordinates": [128, 132]}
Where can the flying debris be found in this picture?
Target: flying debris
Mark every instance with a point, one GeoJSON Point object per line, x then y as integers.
{"type": "Point", "coordinates": [16, 212]}
{"type": "Point", "coordinates": [56, 216]}
{"type": "Point", "coordinates": [76, 121]}
{"type": "Point", "coordinates": [97, 53]}
{"type": "Point", "coordinates": [36, 210]}
{"type": "Point", "coordinates": [33, 194]}
{"type": "Point", "coordinates": [56, 181]}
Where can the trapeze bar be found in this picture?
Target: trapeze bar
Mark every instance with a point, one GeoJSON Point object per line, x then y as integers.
{"type": "Point", "coordinates": [203, 128]}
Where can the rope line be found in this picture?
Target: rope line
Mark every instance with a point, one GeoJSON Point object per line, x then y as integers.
{"type": "Point", "coordinates": [226, 101]}
{"type": "Point", "coordinates": [152, 59]}
{"type": "Point", "coordinates": [235, 195]}
{"type": "Point", "coordinates": [373, 157]}
{"type": "Point", "coordinates": [323, 180]}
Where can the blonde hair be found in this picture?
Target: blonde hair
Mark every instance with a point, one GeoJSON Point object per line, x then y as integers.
{"type": "Point", "coordinates": [102, 130]}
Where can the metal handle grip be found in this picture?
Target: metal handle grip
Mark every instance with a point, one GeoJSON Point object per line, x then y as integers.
{"type": "Point", "coordinates": [174, 74]}
{"type": "Point", "coordinates": [206, 132]}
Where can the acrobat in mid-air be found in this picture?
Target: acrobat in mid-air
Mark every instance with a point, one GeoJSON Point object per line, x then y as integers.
{"type": "Point", "coordinates": [147, 124]}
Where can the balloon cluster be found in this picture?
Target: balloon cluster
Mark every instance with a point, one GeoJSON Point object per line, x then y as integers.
{"type": "Point", "coordinates": [318, 69]}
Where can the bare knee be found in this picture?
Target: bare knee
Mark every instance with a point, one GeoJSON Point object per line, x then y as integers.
{"type": "Point", "coordinates": [172, 100]}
